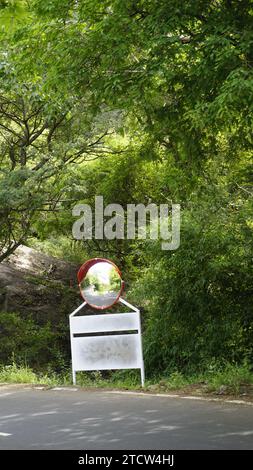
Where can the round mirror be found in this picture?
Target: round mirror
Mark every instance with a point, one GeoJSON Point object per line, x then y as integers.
{"type": "Point", "coordinates": [100, 283]}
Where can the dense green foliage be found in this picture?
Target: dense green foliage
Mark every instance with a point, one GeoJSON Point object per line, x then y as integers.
{"type": "Point", "coordinates": [138, 101]}
{"type": "Point", "coordinates": [43, 347]}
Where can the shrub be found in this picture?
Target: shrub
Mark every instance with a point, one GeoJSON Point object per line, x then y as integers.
{"type": "Point", "coordinates": [29, 343]}
{"type": "Point", "coordinates": [197, 300]}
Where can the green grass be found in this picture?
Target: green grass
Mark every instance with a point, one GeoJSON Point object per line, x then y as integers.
{"type": "Point", "coordinates": [230, 378]}
{"type": "Point", "coordinates": [176, 381]}
{"type": "Point", "coordinates": [233, 377]}
{"type": "Point", "coordinates": [225, 379]}
{"type": "Point", "coordinates": [23, 374]}
{"type": "Point", "coordinates": [118, 380]}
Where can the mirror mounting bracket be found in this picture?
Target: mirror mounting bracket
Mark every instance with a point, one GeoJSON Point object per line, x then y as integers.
{"type": "Point", "coordinates": [121, 300]}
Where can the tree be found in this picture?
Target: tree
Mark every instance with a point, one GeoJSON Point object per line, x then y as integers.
{"type": "Point", "coordinates": [40, 140]}
{"type": "Point", "coordinates": [162, 92]}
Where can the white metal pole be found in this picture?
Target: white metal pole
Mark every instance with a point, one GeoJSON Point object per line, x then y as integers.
{"type": "Point", "coordinates": [77, 309]}
{"type": "Point", "coordinates": [142, 361]}
{"type": "Point", "coordinates": [124, 302]}
{"type": "Point", "coordinates": [142, 376]}
{"type": "Point", "coordinates": [71, 339]}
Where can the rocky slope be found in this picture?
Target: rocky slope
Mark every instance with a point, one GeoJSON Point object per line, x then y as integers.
{"type": "Point", "coordinates": [34, 283]}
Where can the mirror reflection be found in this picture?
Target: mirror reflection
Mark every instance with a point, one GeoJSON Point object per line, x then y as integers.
{"type": "Point", "coordinates": [101, 286]}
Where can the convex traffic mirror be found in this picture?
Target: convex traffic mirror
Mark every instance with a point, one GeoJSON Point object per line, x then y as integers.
{"type": "Point", "coordinates": [100, 283]}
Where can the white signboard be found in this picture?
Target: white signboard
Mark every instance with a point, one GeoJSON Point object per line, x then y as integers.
{"type": "Point", "coordinates": [106, 341]}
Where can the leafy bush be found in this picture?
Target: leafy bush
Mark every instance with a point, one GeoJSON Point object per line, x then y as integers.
{"type": "Point", "coordinates": [196, 300]}
{"type": "Point", "coordinates": [29, 343]}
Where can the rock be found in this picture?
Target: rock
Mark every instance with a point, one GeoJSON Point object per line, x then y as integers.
{"type": "Point", "coordinates": [32, 283]}
{"type": "Point", "coordinates": [34, 262]}
{"type": "Point", "coordinates": [222, 390]}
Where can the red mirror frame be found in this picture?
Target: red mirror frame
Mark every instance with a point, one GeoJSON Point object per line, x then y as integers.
{"type": "Point", "coordinates": [83, 271]}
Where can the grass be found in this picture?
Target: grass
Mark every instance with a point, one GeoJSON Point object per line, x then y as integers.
{"type": "Point", "coordinates": [24, 374]}
{"type": "Point", "coordinates": [231, 379]}
{"type": "Point", "coordinates": [129, 380]}
{"type": "Point", "coordinates": [15, 373]}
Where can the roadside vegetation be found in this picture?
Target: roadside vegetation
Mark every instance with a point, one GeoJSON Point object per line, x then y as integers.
{"type": "Point", "coordinates": [139, 102]}
{"type": "Point", "coordinates": [229, 380]}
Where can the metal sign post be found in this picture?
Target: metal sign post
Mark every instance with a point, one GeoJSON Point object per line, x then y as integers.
{"type": "Point", "coordinates": [106, 341]}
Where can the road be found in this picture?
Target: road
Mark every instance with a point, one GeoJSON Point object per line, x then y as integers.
{"type": "Point", "coordinates": [100, 299]}
{"type": "Point", "coordinates": [75, 419]}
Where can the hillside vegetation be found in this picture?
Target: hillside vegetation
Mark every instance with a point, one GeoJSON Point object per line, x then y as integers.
{"type": "Point", "coordinates": [138, 102]}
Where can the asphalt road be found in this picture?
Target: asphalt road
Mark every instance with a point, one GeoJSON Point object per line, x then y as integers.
{"type": "Point", "coordinates": [103, 299]}
{"type": "Point", "coordinates": [87, 420]}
